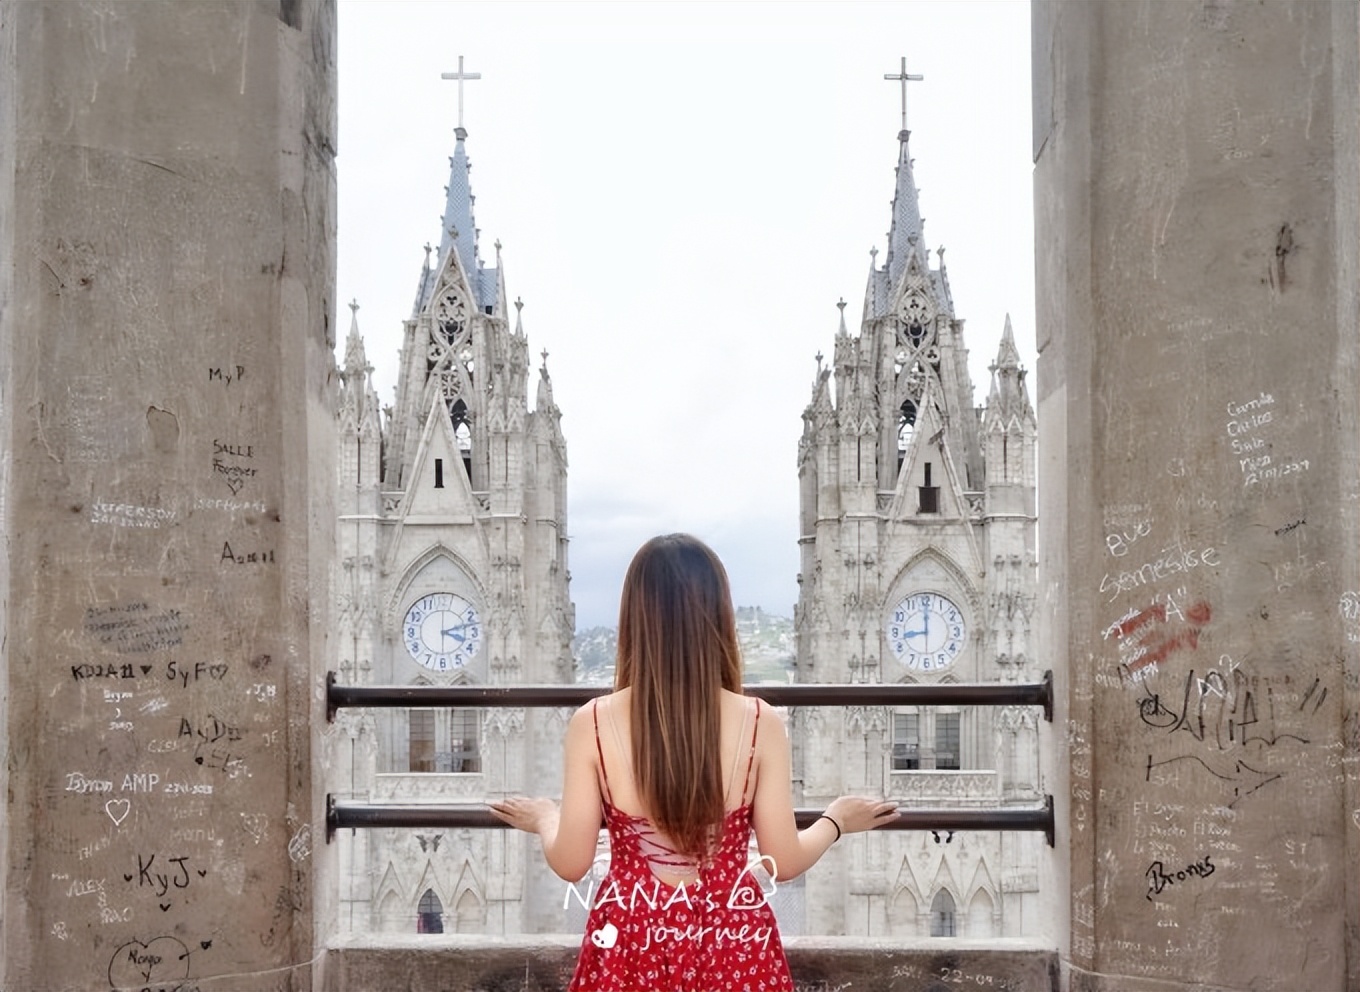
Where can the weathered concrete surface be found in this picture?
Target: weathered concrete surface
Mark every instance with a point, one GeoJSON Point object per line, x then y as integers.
{"type": "Point", "coordinates": [543, 963]}
{"type": "Point", "coordinates": [166, 326]}
{"type": "Point", "coordinates": [1196, 198]}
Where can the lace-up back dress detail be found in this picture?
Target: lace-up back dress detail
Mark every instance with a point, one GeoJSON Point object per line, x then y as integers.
{"type": "Point", "coordinates": [713, 931]}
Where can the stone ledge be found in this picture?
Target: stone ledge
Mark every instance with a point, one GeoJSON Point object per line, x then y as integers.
{"type": "Point", "coordinates": [543, 963]}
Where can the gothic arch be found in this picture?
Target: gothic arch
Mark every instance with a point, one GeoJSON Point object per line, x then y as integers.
{"type": "Point", "coordinates": [392, 609]}
{"type": "Point", "coordinates": [429, 913]}
{"type": "Point", "coordinates": [429, 880]}
{"type": "Point", "coordinates": [979, 919]}
{"type": "Point", "coordinates": [389, 912]}
{"type": "Point", "coordinates": [965, 588]}
{"type": "Point", "coordinates": [982, 879]}
{"type": "Point", "coordinates": [468, 905]}
{"type": "Point", "coordinates": [943, 915]}
{"type": "Point", "coordinates": [902, 913]}
{"type": "Point", "coordinates": [468, 912]}
{"type": "Point", "coordinates": [389, 898]}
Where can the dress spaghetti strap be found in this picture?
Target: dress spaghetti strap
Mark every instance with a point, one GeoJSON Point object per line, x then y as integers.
{"type": "Point", "coordinates": [755, 726]}
{"type": "Point", "coordinates": [604, 772]}
{"type": "Point", "coordinates": [736, 762]}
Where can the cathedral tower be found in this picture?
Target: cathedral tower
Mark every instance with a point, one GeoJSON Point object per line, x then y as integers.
{"type": "Point", "coordinates": [917, 565]}
{"type": "Point", "coordinates": [453, 549]}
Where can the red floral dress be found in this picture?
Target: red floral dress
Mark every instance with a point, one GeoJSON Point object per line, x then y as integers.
{"type": "Point", "coordinates": [714, 933]}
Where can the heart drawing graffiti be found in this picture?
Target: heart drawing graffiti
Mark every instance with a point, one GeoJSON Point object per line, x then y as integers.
{"type": "Point", "coordinates": [162, 960]}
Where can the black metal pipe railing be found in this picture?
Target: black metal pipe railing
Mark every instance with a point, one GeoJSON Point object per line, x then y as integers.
{"type": "Point", "coordinates": [340, 816]}
{"type": "Point", "coordinates": [355, 815]}
{"type": "Point", "coordinates": [802, 694]}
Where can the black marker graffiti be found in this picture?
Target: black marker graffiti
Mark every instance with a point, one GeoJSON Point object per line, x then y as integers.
{"type": "Point", "coordinates": [161, 961]}
{"type": "Point", "coordinates": [1159, 878]}
{"type": "Point", "coordinates": [1244, 778]}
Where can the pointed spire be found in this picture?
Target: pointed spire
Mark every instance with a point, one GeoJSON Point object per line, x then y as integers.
{"type": "Point", "coordinates": [907, 235]}
{"type": "Point", "coordinates": [841, 332]}
{"type": "Point", "coordinates": [1009, 397]}
{"type": "Point", "coordinates": [941, 278]}
{"type": "Point", "coordinates": [1007, 356]}
{"type": "Point", "coordinates": [546, 414]}
{"type": "Point", "coordinates": [356, 362]}
{"type": "Point", "coordinates": [873, 307]}
{"type": "Point", "coordinates": [459, 229]}
{"type": "Point", "coordinates": [358, 402]}
{"type": "Point", "coordinates": [519, 325]}
{"type": "Point", "coordinates": [424, 286]}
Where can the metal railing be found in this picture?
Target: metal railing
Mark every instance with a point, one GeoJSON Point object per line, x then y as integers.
{"type": "Point", "coordinates": [355, 815]}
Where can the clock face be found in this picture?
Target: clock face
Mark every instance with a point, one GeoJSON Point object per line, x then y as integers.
{"type": "Point", "coordinates": [442, 631]}
{"type": "Point", "coordinates": [926, 632]}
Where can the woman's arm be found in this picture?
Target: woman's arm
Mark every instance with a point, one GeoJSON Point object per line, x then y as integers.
{"type": "Point", "coordinates": [795, 851]}
{"type": "Point", "coordinates": [570, 835]}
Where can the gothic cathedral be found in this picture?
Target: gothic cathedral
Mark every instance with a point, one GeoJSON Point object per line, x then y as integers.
{"type": "Point", "coordinates": [917, 538]}
{"type": "Point", "coordinates": [452, 551]}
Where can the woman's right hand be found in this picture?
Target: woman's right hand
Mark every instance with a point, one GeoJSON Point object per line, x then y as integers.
{"type": "Point", "coordinates": [854, 814]}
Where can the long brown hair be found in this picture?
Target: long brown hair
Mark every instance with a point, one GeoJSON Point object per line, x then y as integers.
{"type": "Point", "coordinates": [678, 650]}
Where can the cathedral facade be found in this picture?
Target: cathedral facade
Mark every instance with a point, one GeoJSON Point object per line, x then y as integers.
{"type": "Point", "coordinates": [452, 552]}
{"type": "Point", "coordinates": [917, 556]}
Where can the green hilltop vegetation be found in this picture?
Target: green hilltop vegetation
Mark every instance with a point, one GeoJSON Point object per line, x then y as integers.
{"type": "Point", "coordinates": [766, 649]}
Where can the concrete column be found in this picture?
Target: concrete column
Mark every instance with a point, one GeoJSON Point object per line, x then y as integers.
{"type": "Point", "coordinates": [1196, 193]}
{"type": "Point", "coordinates": [166, 332]}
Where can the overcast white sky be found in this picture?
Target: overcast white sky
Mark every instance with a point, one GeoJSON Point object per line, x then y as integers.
{"type": "Point", "coordinates": [683, 192]}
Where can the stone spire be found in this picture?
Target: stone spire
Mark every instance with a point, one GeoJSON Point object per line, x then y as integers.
{"type": "Point", "coordinates": [426, 282]}
{"type": "Point", "coordinates": [907, 235]}
{"type": "Point", "coordinates": [543, 402]}
{"type": "Point", "coordinates": [459, 235]}
{"type": "Point", "coordinates": [459, 227]}
{"type": "Point", "coordinates": [358, 400]}
{"type": "Point", "coordinates": [356, 362]}
{"type": "Point", "coordinates": [1009, 396]}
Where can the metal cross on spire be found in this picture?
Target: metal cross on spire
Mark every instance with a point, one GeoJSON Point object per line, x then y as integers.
{"type": "Point", "coordinates": [903, 77]}
{"type": "Point", "coordinates": [460, 75]}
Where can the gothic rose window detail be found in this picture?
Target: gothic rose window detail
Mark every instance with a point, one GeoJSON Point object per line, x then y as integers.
{"type": "Point", "coordinates": [917, 317]}
{"type": "Point", "coordinates": [450, 316]}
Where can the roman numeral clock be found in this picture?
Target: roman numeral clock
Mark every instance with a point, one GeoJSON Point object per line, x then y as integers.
{"type": "Point", "coordinates": [926, 632]}
{"type": "Point", "coordinates": [442, 631]}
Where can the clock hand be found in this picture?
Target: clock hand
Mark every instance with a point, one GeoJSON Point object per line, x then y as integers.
{"type": "Point", "coordinates": [913, 633]}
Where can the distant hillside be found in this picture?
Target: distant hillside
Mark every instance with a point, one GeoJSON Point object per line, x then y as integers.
{"type": "Point", "coordinates": [766, 644]}
{"type": "Point", "coordinates": [594, 650]}
{"type": "Point", "coordinates": [766, 648]}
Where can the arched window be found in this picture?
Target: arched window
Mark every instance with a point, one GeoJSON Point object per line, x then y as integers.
{"type": "Point", "coordinates": [430, 914]}
{"type": "Point", "coordinates": [462, 431]}
{"type": "Point", "coordinates": [942, 915]}
{"type": "Point", "coordinates": [468, 913]}
{"type": "Point", "coordinates": [980, 915]}
{"type": "Point", "coordinates": [906, 425]}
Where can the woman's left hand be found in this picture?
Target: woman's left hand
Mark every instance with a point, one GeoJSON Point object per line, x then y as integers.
{"type": "Point", "coordinates": [533, 815]}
